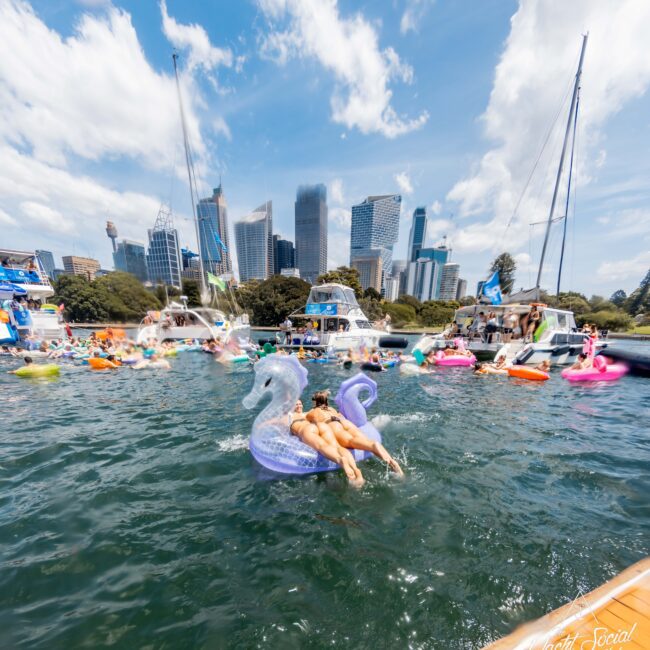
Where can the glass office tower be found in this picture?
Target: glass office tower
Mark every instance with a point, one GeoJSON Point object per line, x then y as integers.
{"type": "Point", "coordinates": [254, 239]}
{"type": "Point", "coordinates": [311, 231]}
{"type": "Point", "coordinates": [164, 256]}
{"type": "Point", "coordinates": [129, 256]}
{"type": "Point", "coordinates": [212, 216]}
{"type": "Point", "coordinates": [375, 227]}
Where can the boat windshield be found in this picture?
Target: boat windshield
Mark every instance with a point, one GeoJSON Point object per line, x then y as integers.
{"type": "Point", "coordinates": [338, 294]}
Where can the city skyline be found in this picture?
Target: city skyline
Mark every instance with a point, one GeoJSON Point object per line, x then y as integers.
{"type": "Point", "coordinates": [417, 114]}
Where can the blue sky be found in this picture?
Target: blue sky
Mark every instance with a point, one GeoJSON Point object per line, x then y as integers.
{"type": "Point", "coordinates": [447, 103]}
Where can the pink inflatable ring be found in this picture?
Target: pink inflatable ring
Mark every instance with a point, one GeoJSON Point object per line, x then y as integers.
{"type": "Point", "coordinates": [453, 359]}
{"type": "Point", "coordinates": [600, 371]}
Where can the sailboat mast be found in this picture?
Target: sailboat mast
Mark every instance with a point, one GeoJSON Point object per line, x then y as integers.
{"type": "Point", "coordinates": [188, 162]}
{"type": "Point", "coordinates": [574, 98]}
{"type": "Point", "coordinates": [568, 193]}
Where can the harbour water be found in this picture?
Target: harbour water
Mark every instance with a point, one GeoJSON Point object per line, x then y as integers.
{"type": "Point", "coordinates": [132, 515]}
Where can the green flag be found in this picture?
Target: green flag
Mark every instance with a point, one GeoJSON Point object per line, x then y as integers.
{"type": "Point", "coordinates": [216, 281]}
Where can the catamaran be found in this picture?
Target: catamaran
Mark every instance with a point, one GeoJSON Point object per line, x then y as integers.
{"type": "Point", "coordinates": [24, 289]}
{"type": "Point", "coordinates": [340, 323]}
{"type": "Point", "coordinates": [178, 322]}
{"type": "Point", "coordinates": [556, 336]}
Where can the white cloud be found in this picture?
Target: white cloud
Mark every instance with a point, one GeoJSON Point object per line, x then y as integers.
{"type": "Point", "coordinates": [60, 199]}
{"type": "Point", "coordinates": [436, 207]}
{"type": "Point", "coordinates": [195, 39]}
{"type": "Point", "coordinates": [336, 191]}
{"type": "Point", "coordinates": [534, 73]}
{"type": "Point", "coordinates": [525, 263]}
{"type": "Point", "coordinates": [92, 94]}
{"type": "Point", "coordinates": [46, 218]}
{"type": "Point", "coordinates": [342, 217]}
{"type": "Point", "coordinates": [338, 249]}
{"type": "Point", "coordinates": [436, 228]}
{"type": "Point", "coordinates": [413, 13]}
{"type": "Point", "coordinates": [635, 267]}
{"type": "Point", "coordinates": [404, 183]}
{"type": "Point", "coordinates": [348, 47]}
{"type": "Point", "coordinates": [219, 125]}
{"type": "Point", "coordinates": [6, 219]}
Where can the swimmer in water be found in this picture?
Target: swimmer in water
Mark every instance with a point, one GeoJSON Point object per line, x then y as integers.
{"type": "Point", "coordinates": [322, 440]}
{"type": "Point", "coordinates": [28, 362]}
{"type": "Point", "coordinates": [347, 435]}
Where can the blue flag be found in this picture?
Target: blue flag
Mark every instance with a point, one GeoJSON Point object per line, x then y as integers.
{"type": "Point", "coordinates": [492, 289]}
{"type": "Point", "coordinates": [218, 240]}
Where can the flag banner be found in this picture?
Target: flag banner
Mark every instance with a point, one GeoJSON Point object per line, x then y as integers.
{"type": "Point", "coordinates": [217, 282]}
{"type": "Point", "coordinates": [218, 240]}
{"type": "Point", "coordinates": [492, 289]}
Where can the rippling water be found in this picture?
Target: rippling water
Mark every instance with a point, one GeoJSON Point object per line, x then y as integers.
{"type": "Point", "coordinates": [132, 515]}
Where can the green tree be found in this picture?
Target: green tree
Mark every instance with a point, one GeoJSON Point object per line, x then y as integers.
{"type": "Point", "coordinates": [127, 300]}
{"type": "Point", "coordinates": [83, 304]}
{"type": "Point", "coordinates": [506, 266]}
{"type": "Point", "coordinates": [343, 275]}
{"type": "Point", "coordinates": [618, 298]}
{"type": "Point", "coordinates": [437, 312]}
{"type": "Point", "coordinates": [400, 314]}
{"type": "Point", "coordinates": [617, 321]}
{"type": "Point", "coordinates": [412, 301]}
{"type": "Point", "coordinates": [270, 301]}
{"type": "Point", "coordinates": [572, 301]}
{"type": "Point", "coordinates": [639, 300]}
{"type": "Point", "coordinates": [372, 308]}
{"type": "Point", "coordinates": [372, 293]}
{"type": "Point", "coordinates": [467, 300]}
{"type": "Point", "coordinates": [193, 292]}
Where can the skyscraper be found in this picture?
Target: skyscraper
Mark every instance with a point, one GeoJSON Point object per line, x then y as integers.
{"type": "Point", "coordinates": [129, 256]}
{"type": "Point", "coordinates": [369, 264]}
{"type": "Point", "coordinates": [437, 255]}
{"type": "Point", "coordinates": [254, 239]}
{"type": "Point", "coordinates": [418, 233]}
{"type": "Point", "coordinates": [84, 266]}
{"type": "Point", "coordinates": [449, 281]}
{"type": "Point", "coordinates": [424, 279]}
{"type": "Point", "coordinates": [283, 254]}
{"type": "Point", "coordinates": [311, 231]}
{"type": "Point", "coordinates": [212, 216]}
{"type": "Point", "coordinates": [399, 272]}
{"type": "Point", "coordinates": [461, 291]}
{"type": "Point", "coordinates": [164, 256]}
{"type": "Point", "coordinates": [375, 226]}
{"type": "Point", "coordinates": [47, 262]}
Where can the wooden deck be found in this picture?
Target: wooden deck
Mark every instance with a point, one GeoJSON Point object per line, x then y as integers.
{"type": "Point", "coordinates": [615, 616]}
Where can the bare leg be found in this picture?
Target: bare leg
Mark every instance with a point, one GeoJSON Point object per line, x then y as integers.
{"type": "Point", "coordinates": [349, 436]}
{"type": "Point", "coordinates": [310, 436]}
{"type": "Point", "coordinates": [328, 436]}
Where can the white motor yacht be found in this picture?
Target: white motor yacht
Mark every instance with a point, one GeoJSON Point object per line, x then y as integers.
{"type": "Point", "coordinates": [24, 290]}
{"type": "Point", "coordinates": [341, 324]}
{"type": "Point", "coordinates": [178, 322]}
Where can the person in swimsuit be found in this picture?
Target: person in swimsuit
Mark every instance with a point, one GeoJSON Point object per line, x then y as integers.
{"type": "Point", "coordinates": [346, 434]}
{"type": "Point", "coordinates": [325, 445]}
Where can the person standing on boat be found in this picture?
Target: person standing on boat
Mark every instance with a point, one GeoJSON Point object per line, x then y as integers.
{"type": "Point", "coordinates": [510, 322]}
{"type": "Point", "coordinates": [286, 326]}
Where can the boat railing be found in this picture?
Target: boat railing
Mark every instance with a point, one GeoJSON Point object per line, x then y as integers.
{"type": "Point", "coordinates": [20, 275]}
